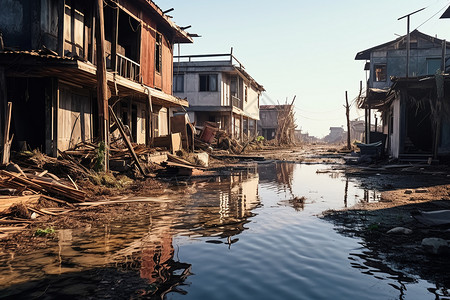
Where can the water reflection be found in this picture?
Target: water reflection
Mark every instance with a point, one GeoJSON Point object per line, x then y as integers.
{"type": "Point", "coordinates": [222, 209]}
{"type": "Point", "coordinates": [287, 253]}
{"type": "Point", "coordinates": [142, 246]}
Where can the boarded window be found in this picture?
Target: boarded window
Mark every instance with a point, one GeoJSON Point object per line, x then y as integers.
{"type": "Point", "coordinates": [208, 83]}
{"type": "Point", "coordinates": [178, 83]}
{"type": "Point", "coordinates": [380, 72]}
{"type": "Point", "coordinates": [158, 53]}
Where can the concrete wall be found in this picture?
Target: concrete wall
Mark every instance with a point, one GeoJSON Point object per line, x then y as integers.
{"type": "Point", "coordinates": [195, 97]}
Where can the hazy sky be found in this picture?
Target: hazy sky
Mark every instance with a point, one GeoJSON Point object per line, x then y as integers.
{"type": "Point", "coordinates": [304, 48]}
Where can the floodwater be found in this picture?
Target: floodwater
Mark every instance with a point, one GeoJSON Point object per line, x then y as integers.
{"type": "Point", "coordinates": [254, 235]}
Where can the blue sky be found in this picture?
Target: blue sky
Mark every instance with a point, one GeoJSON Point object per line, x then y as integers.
{"type": "Point", "coordinates": [304, 48]}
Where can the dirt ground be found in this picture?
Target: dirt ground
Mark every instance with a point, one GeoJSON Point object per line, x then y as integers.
{"type": "Point", "coordinates": [404, 190]}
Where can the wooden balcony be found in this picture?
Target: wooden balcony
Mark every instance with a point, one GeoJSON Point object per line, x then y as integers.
{"type": "Point", "coordinates": [127, 68]}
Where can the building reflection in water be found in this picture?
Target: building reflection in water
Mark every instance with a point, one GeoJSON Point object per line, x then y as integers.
{"type": "Point", "coordinates": [221, 208]}
{"type": "Point", "coordinates": [218, 209]}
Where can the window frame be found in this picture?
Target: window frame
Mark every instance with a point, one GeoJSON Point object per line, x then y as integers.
{"type": "Point", "coordinates": [375, 76]}
{"type": "Point", "coordinates": [205, 86]}
{"type": "Point", "coordinates": [178, 88]}
{"type": "Point", "coordinates": [158, 53]}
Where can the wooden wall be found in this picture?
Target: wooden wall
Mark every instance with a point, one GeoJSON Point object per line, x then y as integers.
{"type": "Point", "coordinates": [148, 55]}
{"type": "Point", "coordinates": [74, 117]}
{"type": "Point", "coordinates": [167, 67]}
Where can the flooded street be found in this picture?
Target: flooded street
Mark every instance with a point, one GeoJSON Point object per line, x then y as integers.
{"type": "Point", "coordinates": [254, 235]}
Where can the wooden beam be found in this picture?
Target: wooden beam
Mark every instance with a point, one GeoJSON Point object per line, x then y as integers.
{"type": "Point", "coordinates": [6, 140]}
{"type": "Point", "coordinates": [61, 13]}
{"type": "Point", "coordinates": [102, 86]}
{"type": "Point", "coordinates": [347, 113]}
{"type": "Point", "coordinates": [3, 99]}
{"type": "Point", "coordinates": [115, 37]}
{"type": "Point", "coordinates": [127, 141]}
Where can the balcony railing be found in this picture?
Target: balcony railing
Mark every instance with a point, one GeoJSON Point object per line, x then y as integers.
{"type": "Point", "coordinates": [236, 102]}
{"type": "Point", "coordinates": [127, 68]}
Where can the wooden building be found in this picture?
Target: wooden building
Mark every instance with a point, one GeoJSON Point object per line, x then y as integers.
{"type": "Point", "coordinates": [413, 105]}
{"type": "Point", "coordinates": [276, 121]}
{"type": "Point", "coordinates": [48, 69]}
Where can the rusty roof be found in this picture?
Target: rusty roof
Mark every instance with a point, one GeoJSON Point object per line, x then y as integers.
{"type": "Point", "coordinates": [180, 36]}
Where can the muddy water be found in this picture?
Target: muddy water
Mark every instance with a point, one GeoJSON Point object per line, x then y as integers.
{"type": "Point", "coordinates": [254, 235]}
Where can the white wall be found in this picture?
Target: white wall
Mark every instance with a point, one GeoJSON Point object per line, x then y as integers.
{"type": "Point", "coordinates": [251, 105]}
{"type": "Point", "coordinates": [395, 136]}
{"type": "Point", "coordinates": [141, 116]}
{"type": "Point", "coordinates": [194, 96]}
{"type": "Point", "coordinates": [163, 120]}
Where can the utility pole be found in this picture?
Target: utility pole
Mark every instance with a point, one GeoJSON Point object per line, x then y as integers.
{"type": "Point", "coordinates": [102, 87]}
{"type": "Point", "coordinates": [408, 38]}
{"type": "Point", "coordinates": [347, 112]}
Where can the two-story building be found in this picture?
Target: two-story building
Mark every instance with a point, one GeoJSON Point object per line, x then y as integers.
{"type": "Point", "coordinates": [48, 69]}
{"type": "Point", "coordinates": [408, 102]}
{"type": "Point", "coordinates": [272, 118]}
{"type": "Point", "coordinates": [219, 90]}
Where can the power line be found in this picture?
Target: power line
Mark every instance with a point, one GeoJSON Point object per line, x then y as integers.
{"type": "Point", "coordinates": [434, 15]}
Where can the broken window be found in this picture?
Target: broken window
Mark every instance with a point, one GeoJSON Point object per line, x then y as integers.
{"type": "Point", "coordinates": [208, 83]}
{"type": "Point", "coordinates": [178, 83]}
{"type": "Point", "coordinates": [158, 53]}
{"type": "Point", "coordinates": [380, 72]}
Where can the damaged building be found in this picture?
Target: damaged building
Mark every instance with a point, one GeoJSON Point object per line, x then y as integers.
{"type": "Point", "coordinates": [48, 61]}
{"type": "Point", "coordinates": [414, 104]}
{"type": "Point", "coordinates": [277, 122]}
{"type": "Point", "coordinates": [219, 90]}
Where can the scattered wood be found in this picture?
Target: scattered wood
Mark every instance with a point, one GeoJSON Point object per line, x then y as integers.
{"type": "Point", "coordinates": [127, 141]}
{"type": "Point", "coordinates": [40, 185]}
{"type": "Point", "coordinates": [73, 182]}
{"type": "Point", "coordinates": [240, 157]}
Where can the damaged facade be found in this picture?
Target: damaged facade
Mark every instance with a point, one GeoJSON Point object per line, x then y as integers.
{"type": "Point", "coordinates": [277, 121]}
{"type": "Point", "coordinates": [219, 90]}
{"type": "Point", "coordinates": [414, 106]}
{"type": "Point", "coordinates": [48, 70]}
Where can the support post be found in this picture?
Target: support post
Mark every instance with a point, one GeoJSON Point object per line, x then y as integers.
{"type": "Point", "coordinates": [347, 113]}
{"type": "Point", "coordinates": [3, 100]}
{"type": "Point", "coordinates": [6, 140]}
{"type": "Point", "coordinates": [102, 88]}
{"type": "Point", "coordinates": [115, 38]}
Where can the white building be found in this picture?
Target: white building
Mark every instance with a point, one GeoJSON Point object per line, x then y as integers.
{"type": "Point", "coordinates": [219, 90]}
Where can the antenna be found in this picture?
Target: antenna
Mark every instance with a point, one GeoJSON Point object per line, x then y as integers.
{"type": "Point", "coordinates": [408, 38]}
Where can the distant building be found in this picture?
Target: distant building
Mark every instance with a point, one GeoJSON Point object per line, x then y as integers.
{"type": "Point", "coordinates": [219, 90]}
{"type": "Point", "coordinates": [336, 135]}
{"type": "Point", "coordinates": [272, 117]}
